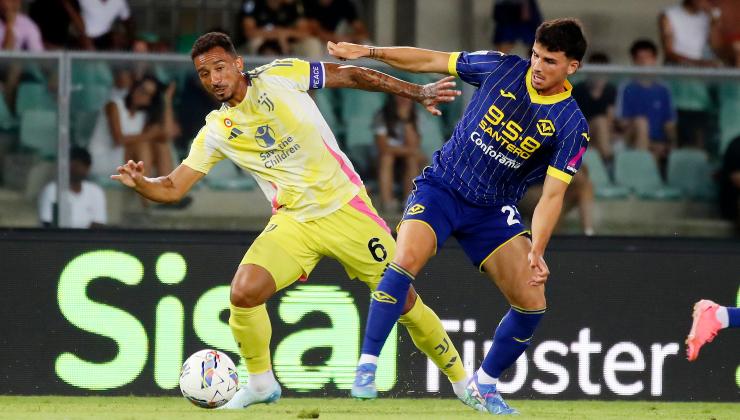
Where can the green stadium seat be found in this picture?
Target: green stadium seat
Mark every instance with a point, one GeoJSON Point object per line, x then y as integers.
{"type": "Point", "coordinates": [225, 176]}
{"type": "Point", "coordinates": [82, 126]}
{"type": "Point", "coordinates": [33, 96]}
{"type": "Point", "coordinates": [689, 170]}
{"type": "Point", "coordinates": [358, 112]}
{"type": "Point", "coordinates": [431, 131]}
{"type": "Point", "coordinates": [86, 72]}
{"type": "Point", "coordinates": [637, 170]}
{"type": "Point", "coordinates": [7, 120]}
{"type": "Point", "coordinates": [39, 133]}
{"type": "Point", "coordinates": [597, 173]}
{"type": "Point", "coordinates": [92, 97]}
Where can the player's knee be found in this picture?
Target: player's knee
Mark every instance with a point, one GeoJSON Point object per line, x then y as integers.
{"type": "Point", "coordinates": [246, 293]}
{"type": "Point", "coordinates": [408, 261]}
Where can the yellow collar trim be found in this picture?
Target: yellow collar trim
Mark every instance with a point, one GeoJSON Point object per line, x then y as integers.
{"type": "Point", "coordinates": [536, 98]}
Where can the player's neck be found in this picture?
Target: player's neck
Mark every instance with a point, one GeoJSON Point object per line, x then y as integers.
{"type": "Point", "coordinates": [240, 93]}
{"type": "Point", "coordinates": [558, 88]}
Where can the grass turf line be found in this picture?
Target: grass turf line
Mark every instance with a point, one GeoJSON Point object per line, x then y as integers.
{"type": "Point", "coordinates": [166, 408]}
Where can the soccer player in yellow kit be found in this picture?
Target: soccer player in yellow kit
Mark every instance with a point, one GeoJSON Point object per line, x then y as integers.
{"type": "Point", "coordinates": [270, 126]}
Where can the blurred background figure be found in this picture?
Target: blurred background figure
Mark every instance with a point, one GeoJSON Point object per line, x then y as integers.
{"type": "Point", "coordinates": [514, 20]}
{"type": "Point", "coordinates": [399, 148]}
{"type": "Point", "coordinates": [596, 97]}
{"type": "Point", "coordinates": [54, 18]}
{"type": "Point", "coordinates": [280, 23]}
{"type": "Point", "coordinates": [87, 199]}
{"type": "Point", "coordinates": [646, 108]}
{"type": "Point", "coordinates": [17, 31]}
{"type": "Point", "coordinates": [335, 20]}
{"type": "Point", "coordinates": [690, 34]}
{"type": "Point", "coordinates": [729, 183]}
{"type": "Point", "coordinates": [101, 18]}
{"type": "Point", "coordinates": [139, 126]}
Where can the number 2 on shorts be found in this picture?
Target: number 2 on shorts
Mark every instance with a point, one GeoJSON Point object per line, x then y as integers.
{"type": "Point", "coordinates": [511, 220]}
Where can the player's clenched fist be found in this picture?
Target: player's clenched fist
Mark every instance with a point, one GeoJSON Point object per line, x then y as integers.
{"type": "Point", "coordinates": [130, 173]}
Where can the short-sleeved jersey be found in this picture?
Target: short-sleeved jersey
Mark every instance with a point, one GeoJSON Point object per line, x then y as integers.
{"type": "Point", "coordinates": [279, 135]}
{"type": "Point", "coordinates": [509, 136]}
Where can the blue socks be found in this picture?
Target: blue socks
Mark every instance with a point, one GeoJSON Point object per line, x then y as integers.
{"type": "Point", "coordinates": [512, 337]}
{"type": "Point", "coordinates": [386, 307]}
{"type": "Point", "coordinates": [733, 315]}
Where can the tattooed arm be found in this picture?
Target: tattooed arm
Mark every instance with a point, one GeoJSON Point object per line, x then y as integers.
{"type": "Point", "coordinates": [429, 95]}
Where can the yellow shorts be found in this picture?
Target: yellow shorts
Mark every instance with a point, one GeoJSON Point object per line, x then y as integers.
{"type": "Point", "coordinates": [354, 235]}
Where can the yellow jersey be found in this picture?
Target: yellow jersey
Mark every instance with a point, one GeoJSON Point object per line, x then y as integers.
{"type": "Point", "coordinates": [279, 135]}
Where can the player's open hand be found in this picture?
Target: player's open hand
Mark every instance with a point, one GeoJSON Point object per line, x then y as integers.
{"type": "Point", "coordinates": [347, 50]}
{"type": "Point", "coordinates": [540, 272]}
{"type": "Point", "coordinates": [130, 173]}
{"type": "Point", "coordinates": [438, 92]}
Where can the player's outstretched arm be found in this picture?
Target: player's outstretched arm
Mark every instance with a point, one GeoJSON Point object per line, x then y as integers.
{"type": "Point", "coordinates": [544, 219]}
{"type": "Point", "coordinates": [164, 189]}
{"type": "Point", "coordinates": [429, 95]}
{"type": "Point", "coordinates": [417, 60]}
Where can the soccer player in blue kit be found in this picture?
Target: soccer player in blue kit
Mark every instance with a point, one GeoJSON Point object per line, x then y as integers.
{"type": "Point", "coordinates": [521, 125]}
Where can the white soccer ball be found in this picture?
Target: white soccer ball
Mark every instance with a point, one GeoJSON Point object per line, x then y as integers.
{"type": "Point", "coordinates": [208, 379]}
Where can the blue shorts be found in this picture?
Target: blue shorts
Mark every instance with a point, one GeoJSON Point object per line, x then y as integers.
{"type": "Point", "coordinates": [480, 230]}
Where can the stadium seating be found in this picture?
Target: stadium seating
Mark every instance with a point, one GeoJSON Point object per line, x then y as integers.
{"type": "Point", "coordinates": [689, 170]}
{"type": "Point", "coordinates": [33, 96]}
{"type": "Point", "coordinates": [603, 185]}
{"type": "Point", "coordinates": [226, 177]}
{"type": "Point", "coordinates": [38, 132]}
{"type": "Point", "coordinates": [637, 170]}
{"type": "Point", "coordinates": [359, 109]}
{"type": "Point", "coordinates": [7, 120]}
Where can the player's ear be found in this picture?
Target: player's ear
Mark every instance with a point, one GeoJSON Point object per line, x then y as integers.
{"type": "Point", "coordinates": [573, 67]}
{"type": "Point", "coordinates": [239, 63]}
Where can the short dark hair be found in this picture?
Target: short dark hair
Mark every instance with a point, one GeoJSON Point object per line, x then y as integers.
{"type": "Point", "coordinates": [81, 155]}
{"type": "Point", "coordinates": [564, 35]}
{"type": "Point", "coordinates": [211, 40]}
{"type": "Point", "coordinates": [643, 44]}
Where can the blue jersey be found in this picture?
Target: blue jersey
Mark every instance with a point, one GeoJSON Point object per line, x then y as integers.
{"type": "Point", "coordinates": [509, 136]}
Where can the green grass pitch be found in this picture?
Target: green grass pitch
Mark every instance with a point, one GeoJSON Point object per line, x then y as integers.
{"type": "Point", "coordinates": [165, 408]}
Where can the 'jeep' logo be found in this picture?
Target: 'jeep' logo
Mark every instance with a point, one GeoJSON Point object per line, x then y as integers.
{"type": "Point", "coordinates": [545, 127]}
{"type": "Point", "coordinates": [265, 136]}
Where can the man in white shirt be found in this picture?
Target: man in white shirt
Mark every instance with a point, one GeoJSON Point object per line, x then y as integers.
{"type": "Point", "coordinates": [87, 200]}
{"type": "Point", "coordinates": [100, 17]}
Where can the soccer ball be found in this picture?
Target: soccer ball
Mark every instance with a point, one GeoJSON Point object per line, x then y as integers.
{"type": "Point", "coordinates": [208, 379]}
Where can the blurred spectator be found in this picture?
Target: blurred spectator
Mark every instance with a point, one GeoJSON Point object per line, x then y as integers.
{"type": "Point", "coordinates": [137, 127]}
{"type": "Point", "coordinates": [729, 182]}
{"type": "Point", "coordinates": [18, 31]}
{"type": "Point", "coordinates": [86, 199]}
{"type": "Point", "coordinates": [729, 104]}
{"type": "Point", "coordinates": [514, 20]}
{"type": "Point", "coordinates": [595, 97]}
{"type": "Point", "coordinates": [398, 141]}
{"type": "Point", "coordinates": [646, 108]}
{"type": "Point", "coordinates": [728, 27]}
{"type": "Point", "coordinates": [335, 20]}
{"type": "Point", "coordinates": [100, 17]}
{"type": "Point", "coordinates": [54, 18]}
{"type": "Point", "coordinates": [689, 32]}
{"type": "Point", "coordinates": [279, 22]}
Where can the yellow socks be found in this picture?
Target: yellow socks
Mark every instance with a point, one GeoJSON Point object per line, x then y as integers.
{"type": "Point", "coordinates": [252, 331]}
{"type": "Point", "coordinates": [429, 336]}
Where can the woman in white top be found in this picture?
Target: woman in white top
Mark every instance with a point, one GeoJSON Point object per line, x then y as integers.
{"type": "Point", "coordinates": [137, 127]}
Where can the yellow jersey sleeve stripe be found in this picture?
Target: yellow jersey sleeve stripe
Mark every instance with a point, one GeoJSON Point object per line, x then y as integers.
{"type": "Point", "coordinates": [557, 173]}
{"type": "Point", "coordinates": [452, 63]}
